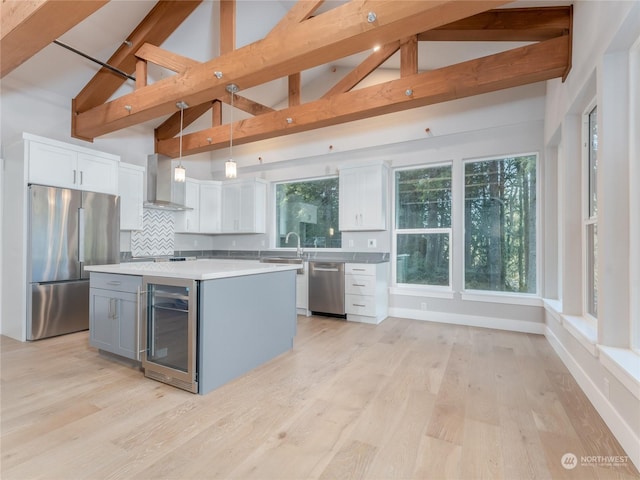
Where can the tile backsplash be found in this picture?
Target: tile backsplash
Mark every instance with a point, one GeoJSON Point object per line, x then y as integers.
{"type": "Point", "coordinates": [157, 236]}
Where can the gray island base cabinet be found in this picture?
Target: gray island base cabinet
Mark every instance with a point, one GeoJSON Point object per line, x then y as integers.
{"type": "Point", "coordinates": [243, 323]}
{"type": "Point", "coordinates": [246, 313]}
{"type": "Point", "coordinates": [114, 319]}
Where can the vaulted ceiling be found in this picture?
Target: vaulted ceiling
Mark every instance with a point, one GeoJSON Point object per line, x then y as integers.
{"type": "Point", "coordinates": [365, 35]}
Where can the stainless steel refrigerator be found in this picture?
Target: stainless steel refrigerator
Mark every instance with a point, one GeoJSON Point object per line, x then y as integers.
{"type": "Point", "coordinates": [68, 230]}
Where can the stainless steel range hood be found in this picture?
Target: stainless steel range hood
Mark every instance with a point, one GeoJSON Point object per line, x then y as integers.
{"type": "Point", "coordinates": [163, 192]}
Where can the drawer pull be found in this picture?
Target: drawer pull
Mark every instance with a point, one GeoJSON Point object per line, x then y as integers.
{"type": "Point", "coordinates": [358, 285]}
{"type": "Point", "coordinates": [113, 282]}
{"type": "Point", "coordinates": [358, 305]}
{"type": "Point", "coordinates": [359, 269]}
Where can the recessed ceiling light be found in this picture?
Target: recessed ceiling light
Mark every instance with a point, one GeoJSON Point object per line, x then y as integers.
{"type": "Point", "coordinates": [376, 48]}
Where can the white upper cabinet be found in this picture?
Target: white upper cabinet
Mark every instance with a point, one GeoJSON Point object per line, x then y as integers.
{"type": "Point", "coordinates": [363, 198]}
{"type": "Point", "coordinates": [244, 204]}
{"type": "Point", "coordinates": [210, 207]}
{"type": "Point", "coordinates": [189, 220]}
{"type": "Point", "coordinates": [63, 165]}
{"type": "Point", "coordinates": [131, 191]}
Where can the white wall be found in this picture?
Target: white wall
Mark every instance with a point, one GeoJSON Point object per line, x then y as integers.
{"type": "Point", "coordinates": [599, 357]}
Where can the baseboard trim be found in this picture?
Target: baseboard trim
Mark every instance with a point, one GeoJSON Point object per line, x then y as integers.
{"type": "Point", "coordinates": [470, 320]}
{"type": "Point", "coordinates": [620, 429]}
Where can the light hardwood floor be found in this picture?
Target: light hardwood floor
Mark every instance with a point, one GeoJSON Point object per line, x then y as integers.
{"type": "Point", "coordinates": [404, 399]}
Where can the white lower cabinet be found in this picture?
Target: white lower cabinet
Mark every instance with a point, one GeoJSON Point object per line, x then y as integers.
{"type": "Point", "coordinates": [366, 291]}
{"type": "Point", "coordinates": [114, 314]}
{"type": "Point", "coordinates": [302, 291]}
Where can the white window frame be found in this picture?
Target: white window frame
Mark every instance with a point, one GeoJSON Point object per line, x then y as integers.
{"type": "Point", "coordinates": [634, 196]}
{"type": "Point", "coordinates": [588, 220]}
{"type": "Point", "coordinates": [445, 291]}
{"type": "Point", "coordinates": [498, 296]}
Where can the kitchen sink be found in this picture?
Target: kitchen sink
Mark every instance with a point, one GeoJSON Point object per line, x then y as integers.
{"type": "Point", "coordinates": [286, 261]}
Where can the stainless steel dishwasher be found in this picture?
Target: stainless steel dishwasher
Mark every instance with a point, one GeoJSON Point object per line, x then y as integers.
{"type": "Point", "coordinates": [326, 288]}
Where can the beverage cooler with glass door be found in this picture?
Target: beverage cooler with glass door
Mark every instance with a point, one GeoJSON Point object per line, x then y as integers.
{"type": "Point", "coordinates": [171, 330]}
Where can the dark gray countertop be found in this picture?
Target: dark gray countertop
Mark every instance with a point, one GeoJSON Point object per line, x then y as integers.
{"type": "Point", "coordinates": [347, 257]}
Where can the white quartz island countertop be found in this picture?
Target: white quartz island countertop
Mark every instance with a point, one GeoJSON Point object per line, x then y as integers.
{"type": "Point", "coordinates": [194, 269]}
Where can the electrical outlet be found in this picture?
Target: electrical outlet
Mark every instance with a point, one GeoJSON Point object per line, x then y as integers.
{"type": "Point", "coordinates": [233, 243]}
{"type": "Point", "coordinates": [423, 306]}
{"type": "Point", "coordinates": [371, 243]}
{"type": "Point", "coordinates": [351, 243]}
{"type": "Point", "coordinates": [262, 243]}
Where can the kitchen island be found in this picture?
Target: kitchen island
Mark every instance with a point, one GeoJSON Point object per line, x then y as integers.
{"type": "Point", "coordinates": [195, 324]}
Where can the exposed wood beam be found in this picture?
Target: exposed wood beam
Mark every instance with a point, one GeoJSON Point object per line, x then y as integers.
{"type": "Point", "coordinates": [294, 89]}
{"type": "Point", "coordinates": [296, 14]}
{"type": "Point", "coordinates": [165, 58]}
{"type": "Point", "coordinates": [520, 66]}
{"type": "Point", "coordinates": [28, 27]}
{"type": "Point", "coordinates": [216, 113]}
{"type": "Point", "coordinates": [246, 105]}
{"type": "Point", "coordinates": [314, 42]}
{"type": "Point", "coordinates": [227, 26]}
{"type": "Point", "coordinates": [141, 73]}
{"type": "Point", "coordinates": [171, 126]}
{"type": "Point", "coordinates": [409, 57]}
{"type": "Point", "coordinates": [178, 63]}
{"type": "Point", "coordinates": [360, 72]}
{"type": "Point", "coordinates": [155, 28]}
{"type": "Point", "coordinates": [509, 24]}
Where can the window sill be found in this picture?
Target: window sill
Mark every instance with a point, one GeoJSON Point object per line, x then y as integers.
{"type": "Point", "coordinates": [422, 292]}
{"type": "Point", "coordinates": [624, 364]}
{"type": "Point", "coordinates": [508, 298]}
{"type": "Point", "coordinates": [582, 330]}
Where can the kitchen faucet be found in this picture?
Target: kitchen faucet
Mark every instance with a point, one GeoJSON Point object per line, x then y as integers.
{"type": "Point", "coordinates": [298, 250]}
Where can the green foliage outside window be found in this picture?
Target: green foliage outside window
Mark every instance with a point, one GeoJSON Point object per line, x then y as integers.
{"type": "Point", "coordinates": [423, 226]}
{"type": "Point", "coordinates": [500, 224]}
{"type": "Point", "coordinates": [309, 208]}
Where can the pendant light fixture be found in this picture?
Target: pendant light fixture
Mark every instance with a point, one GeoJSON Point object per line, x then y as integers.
{"type": "Point", "coordinates": [180, 174]}
{"type": "Point", "coordinates": [230, 168]}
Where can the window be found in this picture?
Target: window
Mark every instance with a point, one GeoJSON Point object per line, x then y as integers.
{"type": "Point", "coordinates": [423, 226]}
{"type": "Point", "coordinates": [500, 224]}
{"type": "Point", "coordinates": [310, 209]}
{"type": "Point", "coordinates": [591, 218]}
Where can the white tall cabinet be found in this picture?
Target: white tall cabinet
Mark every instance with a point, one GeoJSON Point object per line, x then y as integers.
{"type": "Point", "coordinates": [131, 191]}
{"type": "Point", "coordinates": [35, 159]}
{"type": "Point", "coordinates": [189, 220]}
{"type": "Point", "coordinates": [244, 204]}
{"type": "Point", "coordinates": [210, 207]}
{"type": "Point", "coordinates": [363, 197]}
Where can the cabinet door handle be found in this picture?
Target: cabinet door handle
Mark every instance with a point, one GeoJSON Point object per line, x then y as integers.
{"type": "Point", "coordinates": [113, 307]}
{"type": "Point", "coordinates": [74, 177]}
{"type": "Point", "coordinates": [80, 177]}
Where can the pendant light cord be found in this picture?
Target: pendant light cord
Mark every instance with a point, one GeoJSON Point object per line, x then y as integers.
{"type": "Point", "coordinates": [181, 120]}
{"type": "Point", "coordinates": [231, 132]}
